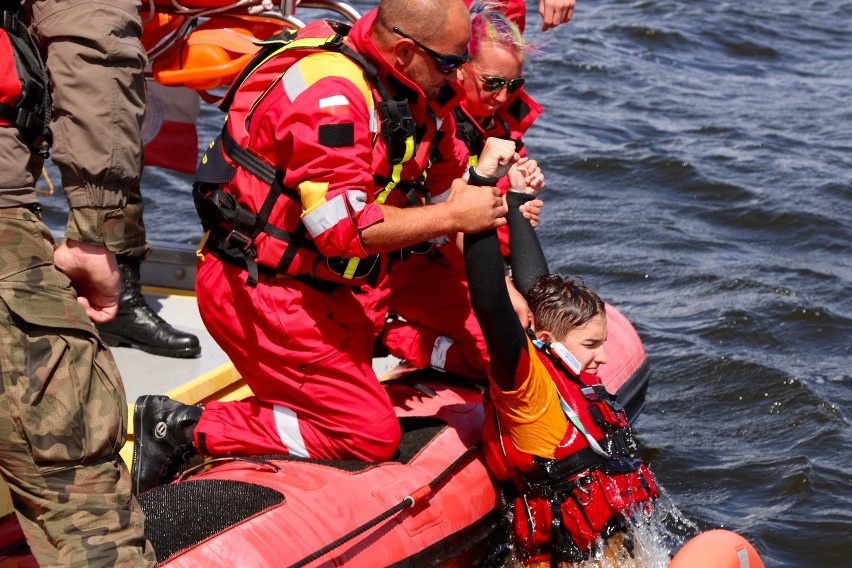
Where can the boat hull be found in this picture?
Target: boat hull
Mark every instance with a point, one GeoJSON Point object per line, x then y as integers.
{"type": "Point", "coordinates": [303, 505]}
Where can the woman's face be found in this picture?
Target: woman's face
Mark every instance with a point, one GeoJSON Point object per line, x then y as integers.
{"type": "Point", "coordinates": [492, 61]}
{"type": "Point", "coordinates": [586, 343]}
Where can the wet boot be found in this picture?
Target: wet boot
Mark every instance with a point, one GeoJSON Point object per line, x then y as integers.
{"type": "Point", "coordinates": [138, 326]}
{"type": "Point", "coordinates": [163, 440]}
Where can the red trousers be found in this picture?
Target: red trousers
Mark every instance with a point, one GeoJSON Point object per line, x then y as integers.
{"type": "Point", "coordinates": [307, 356]}
{"type": "Point", "coordinates": [438, 328]}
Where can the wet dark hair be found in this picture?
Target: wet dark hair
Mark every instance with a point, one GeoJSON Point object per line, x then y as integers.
{"type": "Point", "coordinates": [560, 304]}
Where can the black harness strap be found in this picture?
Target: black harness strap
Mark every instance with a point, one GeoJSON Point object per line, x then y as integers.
{"type": "Point", "coordinates": [32, 112]}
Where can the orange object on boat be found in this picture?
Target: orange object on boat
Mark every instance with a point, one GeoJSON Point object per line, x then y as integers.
{"type": "Point", "coordinates": [215, 52]}
{"type": "Point", "coordinates": [158, 26]}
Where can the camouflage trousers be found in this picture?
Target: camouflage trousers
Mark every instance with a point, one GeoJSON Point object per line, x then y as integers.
{"type": "Point", "coordinates": [63, 413]}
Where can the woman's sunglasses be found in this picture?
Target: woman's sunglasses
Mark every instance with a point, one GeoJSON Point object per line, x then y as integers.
{"type": "Point", "coordinates": [447, 63]}
{"type": "Point", "coordinates": [494, 84]}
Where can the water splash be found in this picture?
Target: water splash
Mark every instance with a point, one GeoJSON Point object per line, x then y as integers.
{"type": "Point", "coordinates": [651, 539]}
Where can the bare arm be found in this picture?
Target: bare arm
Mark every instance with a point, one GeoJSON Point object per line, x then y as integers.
{"type": "Point", "coordinates": [469, 209]}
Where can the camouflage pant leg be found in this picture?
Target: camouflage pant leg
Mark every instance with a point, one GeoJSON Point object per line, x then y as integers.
{"type": "Point", "coordinates": [62, 413]}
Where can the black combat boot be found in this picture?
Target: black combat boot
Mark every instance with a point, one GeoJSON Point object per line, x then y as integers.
{"type": "Point", "coordinates": [137, 325]}
{"type": "Point", "coordinates": [162, 431]}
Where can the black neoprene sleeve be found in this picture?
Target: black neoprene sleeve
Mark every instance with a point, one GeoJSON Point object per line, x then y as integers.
{"type": "Point", "coordinates": [525, 254]}
{"type": "Point", "coordinates": [489, 297]}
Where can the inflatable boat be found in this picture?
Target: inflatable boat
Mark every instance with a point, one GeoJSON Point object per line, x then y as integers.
{"type": "Point", "coordinates": [433, 503]}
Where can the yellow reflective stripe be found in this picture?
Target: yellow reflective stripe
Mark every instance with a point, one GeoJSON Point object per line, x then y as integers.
{"type": "Point", "coordinates": [204, 238]}
{"type": "Point", "coordinates": [325, 64]}
{"type": "Point", "coordinates": [302, 43]}
{"type": "Point", "coordinates": [351, 266]}
{"type": "Point", "coordinates": [472, 160]}
{"type": "Point", "coordinates": [409, 149]}
{"type": "Point", "coordinates": [396, 175]}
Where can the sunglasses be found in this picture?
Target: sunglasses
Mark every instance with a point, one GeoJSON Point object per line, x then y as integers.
{"type": "Point", "coordinates": [494, 84]}
{"type": "Point", "coordinates": [446, 63]}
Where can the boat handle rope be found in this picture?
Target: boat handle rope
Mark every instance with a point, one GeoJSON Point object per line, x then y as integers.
{"type": "Point", "coordinates": [410, 501]}
{"type": "Point", "coordinates": [189, 472]}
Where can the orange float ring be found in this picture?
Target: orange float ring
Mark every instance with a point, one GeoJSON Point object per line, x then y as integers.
{"type": "Point", "coordinates": [717, 549]}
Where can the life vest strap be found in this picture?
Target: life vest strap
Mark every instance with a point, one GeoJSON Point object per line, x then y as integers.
{"type": "Point", "coordinates": [215, 248]}
{"type": "Point", "coordinates": [31, 113]}
{"type": "Point", "coordinates": [555, 473]}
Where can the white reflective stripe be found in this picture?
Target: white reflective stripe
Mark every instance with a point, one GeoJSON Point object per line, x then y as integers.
{"type": "Point", "coordinates": [335, 100]}
{"type": "Point", "coordinates": [374, 121]}
{"type": "Point", "coordinates": [357, 199]}
{"type": "Point", "coordinates": [293, 82]}
{"type": "Point", "coordinates": [329, 214]}
{"type": "Point", "coordinates": [742, 555]}
{"type": "Point", "coordinates": [438, 360]}
{"type": "Point", "coordinates": [288, 430]}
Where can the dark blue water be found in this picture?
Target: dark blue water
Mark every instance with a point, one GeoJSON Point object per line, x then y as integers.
{"type": "Point", "coordinates": [699, 166]}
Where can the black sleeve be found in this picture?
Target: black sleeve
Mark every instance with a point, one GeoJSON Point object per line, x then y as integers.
{"type": "Point", "coordinates": [525, 254]}
{"type": "Point", "coordinates": [489, 297]}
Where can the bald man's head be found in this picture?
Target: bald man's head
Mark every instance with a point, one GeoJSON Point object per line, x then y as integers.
{"type": "Point", "coordinates": [425, 40]}
{"type": "Point", "coordinates": [427, 20]}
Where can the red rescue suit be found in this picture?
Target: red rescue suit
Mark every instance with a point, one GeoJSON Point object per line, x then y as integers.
{"type": "Point", "coordinates": [429, 292]}
{"type": "Point", "coordinates": [565, 504]}
{"type": "Point", "coordinates": [297, 334]}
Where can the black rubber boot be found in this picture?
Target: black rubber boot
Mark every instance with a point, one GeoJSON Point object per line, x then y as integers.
{"type": "Point", "coordinates": [138, 326]}
{"type": "Point", "coordinates": [162, 431]}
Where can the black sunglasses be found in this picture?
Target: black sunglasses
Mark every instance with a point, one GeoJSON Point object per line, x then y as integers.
{"type": "Point", "coordinates": [494, 84]}
{"type": "Point", "coordinates": [446, 63]}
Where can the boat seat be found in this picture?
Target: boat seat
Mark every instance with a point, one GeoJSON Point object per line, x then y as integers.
{"type": "Point", "coordinates": [173, 513]}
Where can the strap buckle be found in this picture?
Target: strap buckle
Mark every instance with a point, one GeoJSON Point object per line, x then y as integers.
{"type": "Point", "coordinates": [238, 240]}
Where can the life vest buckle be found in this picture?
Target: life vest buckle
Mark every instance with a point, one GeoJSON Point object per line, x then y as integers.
{"type": "Point", "coordinates": [584, 495]}
{"type": "Point", "coordinates": [10, 20]}
{"type": "Point", "coordinates": [238, 241]}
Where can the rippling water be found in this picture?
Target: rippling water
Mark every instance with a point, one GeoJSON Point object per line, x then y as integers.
{"type": "Point", "coordinates": [699, 166]}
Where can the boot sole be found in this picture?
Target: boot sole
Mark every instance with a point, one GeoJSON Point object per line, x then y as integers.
{"type": "Point", "coordinates": [182, 353]}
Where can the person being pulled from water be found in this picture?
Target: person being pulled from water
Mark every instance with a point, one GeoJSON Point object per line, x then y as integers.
{"type": "Point", "coordinates": [326, 144]}
{"type": "Point", "coordinates": [552, 431]}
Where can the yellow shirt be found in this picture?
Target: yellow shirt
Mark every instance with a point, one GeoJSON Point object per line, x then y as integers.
{"type": "Point", "coordinates": [531, 414]}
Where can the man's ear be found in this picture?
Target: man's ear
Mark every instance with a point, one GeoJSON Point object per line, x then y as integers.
{"type": "Point", "coordinates": [403, 51]}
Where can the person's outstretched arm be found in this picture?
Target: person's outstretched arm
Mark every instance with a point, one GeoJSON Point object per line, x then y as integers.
{"type": "Point", "coordinates": [525, 254]}
{"type": "Point", "coordinates": [489, 297]}
{"type": "Point", "coordinates": [504, 335]}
